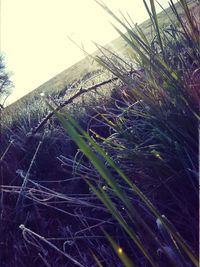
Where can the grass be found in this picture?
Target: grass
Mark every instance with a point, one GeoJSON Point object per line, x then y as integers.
{"type": "Point", "coordinates": [124, 181]}
{"type": "Point", "coordinates": [161, 75]}
{"type": "Point", "coordinates": [83, 73]}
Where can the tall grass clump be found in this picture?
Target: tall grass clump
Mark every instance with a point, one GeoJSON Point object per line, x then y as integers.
{"type": "Point", "coordinates": [149, 163]}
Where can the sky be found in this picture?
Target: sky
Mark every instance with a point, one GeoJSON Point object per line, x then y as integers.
{"type": "Point", "coordinates": [34, 35]}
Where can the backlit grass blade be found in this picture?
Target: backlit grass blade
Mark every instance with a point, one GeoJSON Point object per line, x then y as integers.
{"type": "Point", "coordinates": [142, 35]}
{"type": "Point", "coordinates": [112, 208]}
{"type": "Point", "coordinates": [155, 18]}
{"type": "Point", "coordinates": [97, 260]}
{"type": "Point", "coordinates": [150, 14]}
{"type": "Point", "coordinates": [123, 257]}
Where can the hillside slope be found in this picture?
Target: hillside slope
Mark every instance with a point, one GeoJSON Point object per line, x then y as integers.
{"type": "Point", "coordinates": [77, 75]}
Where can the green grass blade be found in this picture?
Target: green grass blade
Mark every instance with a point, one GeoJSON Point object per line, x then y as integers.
{"type": "Point", "coordinates": [119, 251]}
{"type": "Point", "coordinates": [112, 208]}
{"type": "Point", "coordinates": [97, 260]}
{"type": "Point", "coordinates": [150, 14]}
{"type": "Point", "coordinates": [155, 18]}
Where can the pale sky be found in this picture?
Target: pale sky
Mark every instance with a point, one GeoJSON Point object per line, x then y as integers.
{"type": "Point", "coordinates": [34, 35]}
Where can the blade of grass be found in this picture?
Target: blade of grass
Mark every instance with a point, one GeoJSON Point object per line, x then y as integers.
{"type": "Point", "coordinates": [155, 18]}
{"type": "Point", "coordinates": [112, 208]}
{"type": "Point", "coordinates": [123, 257]}
{"type": "Point", "coordinates": [97, 260]}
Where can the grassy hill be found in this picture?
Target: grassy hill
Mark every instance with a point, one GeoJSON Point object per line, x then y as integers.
{"type": "Point", "coordinates": [81, 74]}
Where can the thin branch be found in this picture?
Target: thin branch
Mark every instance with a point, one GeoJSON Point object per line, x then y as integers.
{"type": "Point", "coordinates": [80, 92]}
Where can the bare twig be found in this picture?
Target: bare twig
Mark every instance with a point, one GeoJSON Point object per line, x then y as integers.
{"type": "Point", "coordinates": [32, 237]}
{"type": "Point", "coordinates": [20, 198]}
{"type": "Point", "coordinates": [80, 92]}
